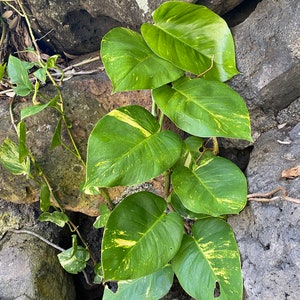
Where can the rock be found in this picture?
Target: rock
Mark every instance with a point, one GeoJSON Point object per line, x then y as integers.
{"type": "Point", "coordinates": [267, 49]}
{"type": "Point", "coordinates": [220, 7]}
{"type": "Point", "coordinates": [77, 27]}
{"type": "Point", "coordinates": [29, 267]}
{"type": "Point", "coordinates": [267, 233]}
{"type": "Point", "coordinates": [290, 115]}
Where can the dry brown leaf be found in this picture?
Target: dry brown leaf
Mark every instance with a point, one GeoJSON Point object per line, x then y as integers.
{"type": "Point", "coordinates": [14, 22]}
{"type": "Point", "coordinates": [7, 14]}
{"type": "Point", "coordinates": [291, 173]}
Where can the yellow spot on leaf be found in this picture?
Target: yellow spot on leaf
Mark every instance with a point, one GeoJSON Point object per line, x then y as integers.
{"type": "Point", "coordinates": [125, 243]}
{"type": "Point", "coordinates": [130, 121]}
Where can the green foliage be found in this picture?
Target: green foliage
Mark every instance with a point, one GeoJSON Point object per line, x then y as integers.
{"type": "Point", "coordinates": [129, 146]}
{"type": "Point", "coordinates": [74, 259]}
{"type": "Point", "coordinates": [204, 108]}
{"type": "Point", "coordinates": [208, 257]}
{"type": "Point", "coordinates": [184, 57]}
{"type": "Point", "coordinates": [17, 72]}
{"type": "Point", "coordinates": [133, 149]}
{"type": "Point", "coordinates": [10, 158]}
{"type": "Point", "coordinates": [192, 37]}
{"type": "Point", "coordinates": [150, 287]}
{"type": "Point", "coordinates": [104, 213]}
{"type": "Point", "coordinates": [57, 217]}
{"type": "Point", "coordinates": [139, 237]}
{"type": "Point", "coordinates": [2, 70]}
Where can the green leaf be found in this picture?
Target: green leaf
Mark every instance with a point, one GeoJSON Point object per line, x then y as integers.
{"type": "Point", "coordinates": [104, 215]}
{"type": "Point", "coordinates": [215, 187]}
{"type": "Point", "coordinates": [56, 139]}
{"type": "Point", "coordinates": [23, 150]}
{"type": "Point", "coordinates": [150, 287]}
{"type": "Point", "coordinates": [57, 217]}
{"type": "Point", "coordinates": [10, 158]}
{"type": "Point", "coordinates": [190, 152]}
{"type": "Point", "coordinates": [208, 258]}
{"type": "Point", "coordinates": [192, 37]}
{"type": "Point", "coordinates": [98, 273]}
{"type": "Point", "coordinates": [205, 108]}
{"type": "Point", "coordinates": [19, 76]}
{"type": "Point", "coordinates": [182, 210]}
{"type": "Point", "coordinates": [34, 109]}
{"type": "Point", "coordinates": [139, 237]}
{"type": "Point", "coordinates": [51, 62]}
{"type": "Point", "coordinates": [45, 198]}
{"type": "Point", "coordinates": [131, 65]}
{"type": "Point", "coordinates": [40, 74]}
{"type": "Point", "coordinates": [126, 147]}
{"type": "Point", "coordinates": [2, 70]}
{"type": "Point", "coordinates": [74, 259]}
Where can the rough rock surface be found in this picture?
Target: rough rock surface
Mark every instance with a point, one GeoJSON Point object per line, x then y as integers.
{"type": "Point", "coordinates": [76, 27]}
{"type": "Point", "coordinates": [29, 267]}
{"type": "Point", "coordinates": [219, 6]}
{"type": "Point", "coordinates": [268, 233]}
{"type": "Point", "coordinates": [268, 57]}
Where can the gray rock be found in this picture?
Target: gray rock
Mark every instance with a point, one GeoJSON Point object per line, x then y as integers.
{"type": "Point", "coordinates": [219, 6]}
{"type": "Point", "coordinates": [267, 47]}
{"type": "Point", "coordinates": [268, 233]}
{"type": "Point", "coordinates": [290, 115]}
{"type": "Point", "coordinates": [76, 27]}
{"type": "Point", "coordinates": [29, 268]}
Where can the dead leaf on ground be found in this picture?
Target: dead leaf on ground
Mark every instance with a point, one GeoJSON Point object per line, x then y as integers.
{"type": "Point", "coordinates": [291, 173]}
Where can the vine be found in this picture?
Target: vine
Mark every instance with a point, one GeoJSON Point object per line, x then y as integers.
{"type": "Point", "coordinates": [184, 57]}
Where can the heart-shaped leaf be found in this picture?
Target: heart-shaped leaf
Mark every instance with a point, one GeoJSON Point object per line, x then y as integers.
{"type": "Point", "coordinates": [10, 158]}
{"type": "Point", "coordinates": [208, 263]}
{"type": "Point", "coordinates": [195, 39]}
{"type": "Point", "coordinates": [74, 259]}
{"type": "Point", "coordinates": [126, 147]}
{"type": "Point", "coordinates": [139, 237]}
{"type": "Point", "coordinates": [130, 63]}
{"type": "Point", "coordinates": [150, 287]}
{"type": "Point", "coordinates": [56, 217]}
{"type": "Point", "coordinates": [215, 187]}
{"type": "Point", "coordinates": [205, 108]}
{"type": "Point", "coordinates": [17, 72]}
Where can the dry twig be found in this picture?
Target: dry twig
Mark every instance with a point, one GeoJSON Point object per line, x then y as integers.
{"type": "Point", "coordinates": [269, 197]}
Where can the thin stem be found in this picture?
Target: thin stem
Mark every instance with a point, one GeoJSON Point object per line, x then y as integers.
{"type": "Point", "coordinates": [210, 67]}
{"type": "Point", "coordinates": [215, 146]}
{"type": "Point", "coordinates": [107, 198]}
{"type": "Point", "coordinates": [161, 119]}
{"type": "Point", "coordinates": [167, 183]}
{"type": "Point", "coordinates": [39, 237]}
{"type": "Point", "coordinates": [23, 231]}
{"type": "Point", "coordinates": [265, 197]}
{"type": "Point", "coordinates": [24, 15]}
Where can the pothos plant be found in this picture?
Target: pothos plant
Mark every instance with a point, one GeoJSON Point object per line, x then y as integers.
{"type": "Point", "coordinates": [184, 57]}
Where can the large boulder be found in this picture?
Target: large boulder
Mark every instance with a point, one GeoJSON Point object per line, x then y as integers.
{"type": "Point", "coordinates": [268, 58]}
{"type": "Point", "coordinates": [29, 267]}
{"type": "Point", "coordinates": [268, 232]}
{"type": "Point", "coordinates": [77, 27]}
{"type": "Point", "coordinates": [220, 6]}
